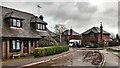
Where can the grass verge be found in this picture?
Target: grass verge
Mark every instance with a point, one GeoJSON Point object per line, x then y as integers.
{"type": "Point", "coordinates": [113, 50]}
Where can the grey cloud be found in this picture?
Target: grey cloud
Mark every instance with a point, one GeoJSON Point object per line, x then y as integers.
{"type": "Point", "coordinates": [79, 15]}
{"type": "Point", "coordinates": [81, 11]}
{"type": "Point", "coordinates": [111, 11]}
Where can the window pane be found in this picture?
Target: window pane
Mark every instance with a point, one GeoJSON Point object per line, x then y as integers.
{"type": "Point", "coordinates": [13, 44]}
{"type": "Point", "coordinates": [18, 45]}
{"type": "Point", "coordinates": [43, 26]}
{"type": "Point", "coordinates": [18, 23]}
{"type": "Point", "coordinates": [14, 22]}
{"type": "Point", "coordinates": [92, 34]}
{"type": "Point", "coordinates": [38, 26]}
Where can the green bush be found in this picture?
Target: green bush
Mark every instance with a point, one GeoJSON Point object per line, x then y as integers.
{"type": "Point", "coordinates": [51, 50]}
{"type": "Point", "coordinates": [47, 41]}
{"type": "Point", "coordinates": [113, 43]}
{"type": "Point", "coordinates": [101, 44]}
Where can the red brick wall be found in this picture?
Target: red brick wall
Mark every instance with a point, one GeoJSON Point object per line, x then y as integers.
{"type": "Point", "coordinates": [96, 37]}
{"type": "Point", "coordinates": [73, 37]}
{"type": "Point", "coordinates": [6, 54]}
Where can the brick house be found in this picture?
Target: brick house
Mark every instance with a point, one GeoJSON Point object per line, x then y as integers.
{"type": "Point", "coordinates": [96, 35]}
{"type": "Point", "coordinates": [20, 31]}
{"type": "Point", "coordinates": [71, 34]}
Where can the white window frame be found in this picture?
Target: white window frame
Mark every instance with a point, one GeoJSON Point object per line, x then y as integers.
{"type": "Point", "coordinates": [16, 44]}
{"type": "Point", "coordinates": [16, 23]}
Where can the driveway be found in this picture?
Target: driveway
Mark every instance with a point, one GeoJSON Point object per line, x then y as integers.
{"type": "Point", "coordinates": [74, 59]}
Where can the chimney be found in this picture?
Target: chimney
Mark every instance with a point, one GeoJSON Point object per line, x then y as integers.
{"type": "Point", "coordinates": [71, 30]}
{"type": "Point", "coordinates": [41, 17]}
{"type": "Point", "coordinates": [101, 31]}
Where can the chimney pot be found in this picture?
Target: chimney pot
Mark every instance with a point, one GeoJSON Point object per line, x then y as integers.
{"type": "Point", "coordinates": [41, 17]}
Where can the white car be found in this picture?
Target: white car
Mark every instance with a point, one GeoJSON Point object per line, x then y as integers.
{"type": "Point", "coordinates": [73, 43]}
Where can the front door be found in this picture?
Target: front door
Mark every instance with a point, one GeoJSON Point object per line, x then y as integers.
{"type": "Point", "coordinates": [25, 46]}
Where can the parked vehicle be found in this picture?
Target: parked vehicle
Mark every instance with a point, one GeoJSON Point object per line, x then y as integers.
{"type": "Point", "coordinates": [74, 43]}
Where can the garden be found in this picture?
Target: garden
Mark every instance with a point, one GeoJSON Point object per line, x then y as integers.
{"type": "Point", "coordinates": [49, 46]}
{"type": "Point", "coordinates": [89, 44]}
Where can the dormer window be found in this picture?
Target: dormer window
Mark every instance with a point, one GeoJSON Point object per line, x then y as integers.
{"type": "Point", "coordinates": [13, 20]}
{"type": "Point", "coordinates": [41, 26]}
{"type": "Point", "coordinates": [37, 23]}
{"type": "Point", "coordinates": [16, 23]}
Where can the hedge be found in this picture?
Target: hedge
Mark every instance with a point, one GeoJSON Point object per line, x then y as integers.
{"type": "Point", "coordinates": [51, 50]}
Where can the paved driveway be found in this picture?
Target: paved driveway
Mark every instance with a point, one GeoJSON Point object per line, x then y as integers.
{"type": "Point", "coordinates": [74, 58]}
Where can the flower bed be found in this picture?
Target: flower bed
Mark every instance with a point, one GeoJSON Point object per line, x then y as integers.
{"type": "Point", "coordinates": [51, 50]}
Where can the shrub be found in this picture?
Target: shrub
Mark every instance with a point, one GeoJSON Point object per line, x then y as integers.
{"type": "Point", "coordinates": [47, 41]}
{"type": "Point", "coordinates": [51, 50]}
{"type": "Point", "coordinates": [113, 43]}
{"type": "Point", "coordinates": [101, 44]}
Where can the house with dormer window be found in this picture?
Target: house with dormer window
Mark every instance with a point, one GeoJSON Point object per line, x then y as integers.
{"type": "Point", "coordinates": [20, 31]}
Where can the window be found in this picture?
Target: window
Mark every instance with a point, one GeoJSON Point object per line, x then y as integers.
{"type": "Point", "coordinates": [91, 34]}
{"type": "Point", "coordinates": [16, 23]}
{"type": "Point", "coordinates": [15, 45]}
{"type": "Point", "coordinates": [41, 26]}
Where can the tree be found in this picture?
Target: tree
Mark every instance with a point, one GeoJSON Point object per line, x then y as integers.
{"type": "Point", "coordinates": [117, 36]}
{"type": "Point", "coordinates": [59, 28]}
{"type": "Point", "coordinates": [112, 35]}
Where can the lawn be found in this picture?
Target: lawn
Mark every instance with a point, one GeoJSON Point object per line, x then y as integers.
{"type": "Point", "coordinates": [113, 50]}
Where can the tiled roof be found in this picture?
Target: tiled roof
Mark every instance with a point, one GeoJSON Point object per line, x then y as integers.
{"type": "Point", "coordinates": [95, 30]}
{"type": "Point", "coordinates": [37, 19]}
{"type": "Point", "coordinates": [51, 33]}
{"type": "Point", "coordinates": [26, 32]}
{"type": "Point", "coordinates": [67, 32]}
{"type": "Point", "coordinates": [13, 15]}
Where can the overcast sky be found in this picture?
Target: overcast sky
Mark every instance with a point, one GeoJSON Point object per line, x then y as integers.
{"type": "Point", "coordinates": [81, 16]}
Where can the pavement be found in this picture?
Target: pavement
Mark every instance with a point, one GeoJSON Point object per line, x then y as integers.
{"type": "Point", "coordinates": [110, 59]}
{"type": "Point", "coordinates": [117, 48]}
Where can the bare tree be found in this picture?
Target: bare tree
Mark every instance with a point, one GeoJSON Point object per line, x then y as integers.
{"type": "Point", "coordinates": [112, 35]}
{"type": "Point", "coordinates": [59, 28]}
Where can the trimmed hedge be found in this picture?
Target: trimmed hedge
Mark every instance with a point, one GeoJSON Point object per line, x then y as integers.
{"type": "Point", "coordinates": [51, 50]}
